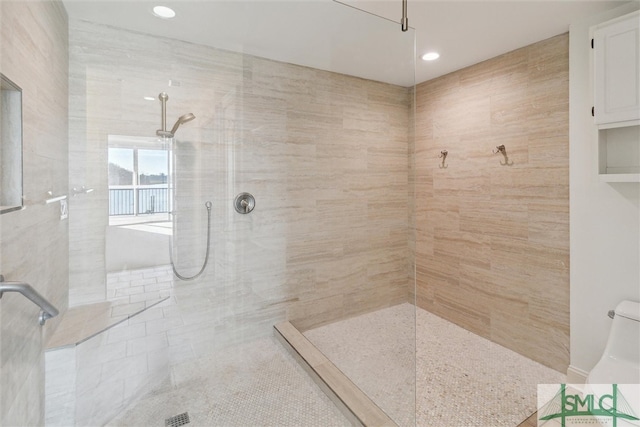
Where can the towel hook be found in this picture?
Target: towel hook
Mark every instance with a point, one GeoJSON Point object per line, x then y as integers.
{"type": "Point", "coordinates": [443, 156]}
{"type": "Point", "coordinates": [502, 150]}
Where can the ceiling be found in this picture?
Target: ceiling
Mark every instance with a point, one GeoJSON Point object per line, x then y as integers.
{"type": "Point", "coordinates": [328, 35]}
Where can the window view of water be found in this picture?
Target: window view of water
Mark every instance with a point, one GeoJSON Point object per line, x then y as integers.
{"type": "Point", "coordinates": [138, 181]}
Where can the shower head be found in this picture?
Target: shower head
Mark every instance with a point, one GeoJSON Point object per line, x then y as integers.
{"type": "Point", "coordinates": [183, 119]}
{"type": "Point", "coordinates": [163, 132]}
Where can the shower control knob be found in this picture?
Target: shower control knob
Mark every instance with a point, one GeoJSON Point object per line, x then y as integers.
{"type": "Point", "coordinates": [244, 203]}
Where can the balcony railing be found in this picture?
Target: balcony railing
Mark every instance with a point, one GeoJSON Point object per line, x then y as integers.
{"type": "Point", "coordinates": [138, 201]}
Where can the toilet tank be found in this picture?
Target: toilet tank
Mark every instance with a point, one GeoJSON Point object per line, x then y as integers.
{"type": "Point", "coordinates": [624, 338]}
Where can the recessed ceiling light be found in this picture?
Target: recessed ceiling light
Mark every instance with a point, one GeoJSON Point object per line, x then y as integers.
{"type": "Point", "coordinates": [149, 98]}
{"type": "Point", "coordinates": [163, 12]}
{"type": "Point", "coordinates": [430, 56]}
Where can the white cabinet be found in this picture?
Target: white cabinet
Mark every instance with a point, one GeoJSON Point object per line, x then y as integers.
{"type": "Point", "coordinates": [616, 46]}
{"type": "Point", "coordinates": [616, 79]}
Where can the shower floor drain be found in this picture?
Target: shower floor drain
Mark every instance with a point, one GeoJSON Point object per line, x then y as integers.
{"type": "Point", "coordinates": [177, 420]}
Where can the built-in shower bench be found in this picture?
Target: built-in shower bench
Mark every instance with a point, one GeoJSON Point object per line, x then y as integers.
{"type": "Point", "coordinates": [81, 323]}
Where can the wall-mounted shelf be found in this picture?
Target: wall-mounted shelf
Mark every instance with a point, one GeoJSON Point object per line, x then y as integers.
{"type": "Point", "coordinates": [619, 154]}
{"type": "Point", "coordinates": [619, 177]}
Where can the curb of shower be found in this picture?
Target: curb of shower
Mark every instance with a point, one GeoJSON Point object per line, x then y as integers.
{"type": "Point", "coordinates": [354, 404]}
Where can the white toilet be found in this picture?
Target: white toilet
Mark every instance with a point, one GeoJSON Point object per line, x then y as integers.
{"type": "Point", "coordinates": [620, 363]}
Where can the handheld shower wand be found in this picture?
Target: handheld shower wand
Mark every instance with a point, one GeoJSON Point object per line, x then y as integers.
{"type": "Point", "coordinates": [183, 119]}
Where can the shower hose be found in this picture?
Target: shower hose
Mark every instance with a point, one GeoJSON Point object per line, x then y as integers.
{"type": "Point", "coordinates": [206, 256]}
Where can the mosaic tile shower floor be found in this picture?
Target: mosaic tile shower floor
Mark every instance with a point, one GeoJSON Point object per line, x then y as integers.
{"type": "Point", "coordinates": [463, 380]}
{"type": "Point", "coordinates": [148, 368]}
{"type": "Point", "coordinates": [253, 384]}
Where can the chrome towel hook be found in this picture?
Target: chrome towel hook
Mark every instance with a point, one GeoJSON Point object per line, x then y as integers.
{"type": "Point", "coordinates": [443, 156]}
{"type": "Point", "coordinates": [502, 150]}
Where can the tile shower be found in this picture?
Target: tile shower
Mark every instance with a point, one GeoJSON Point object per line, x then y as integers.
{"type": "Point", "coordinates": [324, 155]}
{"type": "Point", "coordinates": [492, 250]}
{"type": "Point", "coordinates": [332, 164]}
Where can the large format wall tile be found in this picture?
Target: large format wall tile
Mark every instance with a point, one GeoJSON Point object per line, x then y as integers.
{"type": "Point", "coordinates": [34, 241]}
{"type": "Point", "coordinates": [325, 156]}
{"type": "Point", "coordinates": [492, 241]}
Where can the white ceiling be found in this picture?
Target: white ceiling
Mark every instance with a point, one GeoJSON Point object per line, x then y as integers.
{"type": "Point", "coordinates": [331, 36]}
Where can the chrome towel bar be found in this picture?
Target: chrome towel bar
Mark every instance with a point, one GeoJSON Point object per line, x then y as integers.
{"type": "Point", "coordinates": [47, 309]}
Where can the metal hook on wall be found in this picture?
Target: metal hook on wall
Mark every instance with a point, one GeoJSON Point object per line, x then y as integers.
{"type": "Point", "coordinates": [502, 150]}
{"type": "Point", "coordinates": [443, 156]}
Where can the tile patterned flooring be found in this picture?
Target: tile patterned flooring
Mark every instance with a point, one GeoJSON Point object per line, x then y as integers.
{"type": "Point", "coordinates": [351, 401]}
{"type": "Point", "coordinates": [463, 380]}
{"type": "Point", "coordinates": [146, 366]}
{"type": "Point", "coordinates": [252, 384]}
{"type": "Point", "coordinates": [139, 372]}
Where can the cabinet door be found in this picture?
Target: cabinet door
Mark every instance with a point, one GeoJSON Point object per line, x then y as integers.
{"type": "Point", "coordinates": [617, 70]}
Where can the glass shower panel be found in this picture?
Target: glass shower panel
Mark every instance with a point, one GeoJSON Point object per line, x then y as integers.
{"type": "Point", "coordinates": [325, 155]}
{"type": "Point", "coordinates": [347, 189]}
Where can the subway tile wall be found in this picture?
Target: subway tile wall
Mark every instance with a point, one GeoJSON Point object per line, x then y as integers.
{"type": "Point", "coordinates": [492, 240]}
{"type": "Point", "coordinates": [34, 242]}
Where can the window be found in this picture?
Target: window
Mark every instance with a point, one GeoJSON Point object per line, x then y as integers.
{"type": "Point", "coordinates": [138, 181]}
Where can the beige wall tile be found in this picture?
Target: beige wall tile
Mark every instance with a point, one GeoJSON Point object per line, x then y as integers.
{"type": "Point", "coordinates": [324, 154]}
{"type": "Point", "coordinates": [492, 241]}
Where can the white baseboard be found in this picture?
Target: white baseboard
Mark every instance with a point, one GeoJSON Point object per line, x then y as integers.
{"type": "Point", "coordinates": [576, 375]}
